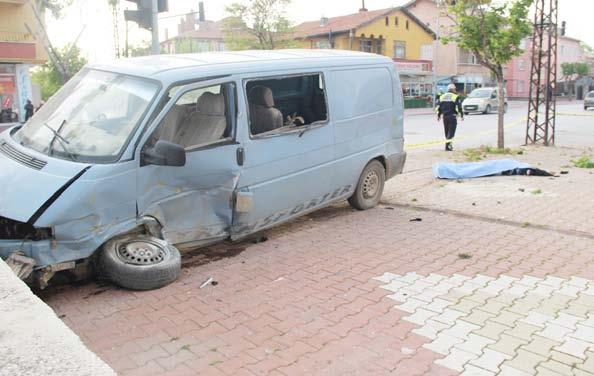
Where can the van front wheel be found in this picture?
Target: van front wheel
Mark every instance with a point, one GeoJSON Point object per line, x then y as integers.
{"type": "Point", "coordinates": [139, 262]}
{"type": "Point", "coordinates": [370, 187]}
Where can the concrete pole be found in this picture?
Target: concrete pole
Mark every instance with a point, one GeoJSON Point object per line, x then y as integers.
{"type": "Point", "coordinates": [155, 49]}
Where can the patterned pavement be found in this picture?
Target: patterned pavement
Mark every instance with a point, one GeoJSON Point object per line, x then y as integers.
{"type": "Point", "coordinates": [343, 292]}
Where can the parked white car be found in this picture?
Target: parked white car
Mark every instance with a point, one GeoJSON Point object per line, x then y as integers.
{"type": "Point", "coordinates": [483, 100]}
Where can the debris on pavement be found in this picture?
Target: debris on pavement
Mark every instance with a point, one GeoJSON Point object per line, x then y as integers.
{"type": "Point", "coordinates": [416, 220]}
{"type": "Point", "coordinates": [207, 282]}
{"type": "Point", "coordinates": [260, 239]}
{"type": "Point", "coordinates": [496, 167]}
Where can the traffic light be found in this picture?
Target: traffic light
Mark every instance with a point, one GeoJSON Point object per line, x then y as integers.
{"type": "Point", "coordinates": [143, 13]}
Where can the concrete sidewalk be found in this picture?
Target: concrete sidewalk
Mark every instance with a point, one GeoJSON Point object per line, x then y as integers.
{"type": "Point", "coordinates": [34, 341]}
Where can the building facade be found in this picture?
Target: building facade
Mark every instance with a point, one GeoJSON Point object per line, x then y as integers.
{"type": "Point", "coordinates": [19, 51]}
{"type": "Point", "coordinates": [195, 35]}
{"type": "Point", "coordinates": [393, 32]}
{"type": "Point", "coordinates": [569, 50]}
{"type": "Point", "coordinates": [452, 64]}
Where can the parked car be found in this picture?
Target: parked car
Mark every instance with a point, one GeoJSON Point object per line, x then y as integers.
{"type": "Point", "coordinates": [131, 162]}
{"type": "Point", "coordinates": [483, 100]}
{"type": "Point", "coordinates": [589, 100]}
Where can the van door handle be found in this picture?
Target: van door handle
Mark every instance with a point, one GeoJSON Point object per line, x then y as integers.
{"type": "Point", "coordinates": [240, 154]}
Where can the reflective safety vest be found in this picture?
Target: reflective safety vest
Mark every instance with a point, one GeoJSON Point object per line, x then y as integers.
{"type": "Point", "coordinates": [450, 104]}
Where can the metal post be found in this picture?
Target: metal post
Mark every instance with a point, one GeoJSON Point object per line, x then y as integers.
{"type": "Point", "coordinates": [543, 75]}
{"type": "Point", "coordinates": [155, 49]}
{"type": "Point", "coordinates": [434, 65]}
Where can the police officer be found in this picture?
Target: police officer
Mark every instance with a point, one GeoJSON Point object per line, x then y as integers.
{"type": "Point", "coordinates": [450, 106]}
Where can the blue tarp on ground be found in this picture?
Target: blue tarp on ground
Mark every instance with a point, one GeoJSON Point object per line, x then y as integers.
{"type": "Point", "coordinates": [475, 169]}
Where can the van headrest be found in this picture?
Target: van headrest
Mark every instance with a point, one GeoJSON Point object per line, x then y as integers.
{"type": "Point", "coordinates": [261, 95]}
{"type": "Point", "coordinates": [211, 104]}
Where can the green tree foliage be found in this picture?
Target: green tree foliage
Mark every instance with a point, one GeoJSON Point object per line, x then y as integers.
{"type": "Point", "coordinates": [572, 72]}
{"type": "Point", "coordinates": [258, 24]}
{"type": "Point", "coordinates": [49, 78]}
{"type": "Point", "coordinates": [492, 30]}
{"type": "Point", "coordinates": [55, 7]}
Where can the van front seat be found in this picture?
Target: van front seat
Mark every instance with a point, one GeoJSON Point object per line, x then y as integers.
{"type": "Point", "coordinates": [207, 124]}
{"type": "Point", "coordinates": [264, 117]}
{"type": "Point", "coordinates": [171, 123]}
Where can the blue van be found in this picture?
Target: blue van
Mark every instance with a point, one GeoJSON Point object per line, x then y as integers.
{"type": "Point", "coordinates": [133, 161]}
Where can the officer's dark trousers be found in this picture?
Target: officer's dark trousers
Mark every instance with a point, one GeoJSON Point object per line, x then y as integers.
{"type": "Point", "coordinates": [449, 126]}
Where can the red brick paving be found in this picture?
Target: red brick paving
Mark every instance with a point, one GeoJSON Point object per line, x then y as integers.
{"type": "Point", "coordinates": [304, 302]}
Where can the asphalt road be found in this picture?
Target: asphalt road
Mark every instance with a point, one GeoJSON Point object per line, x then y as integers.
{"type": "Point", "coordinates": [479, 129]}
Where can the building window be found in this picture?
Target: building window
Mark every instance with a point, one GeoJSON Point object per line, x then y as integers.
{"type": "Point", "coordinates": [399, 49]}
{"type": "Point", "coordinates": [395, 21]}
{"type": "Point", "coordinates": [523, 44]}
{"type": "Point", "coordinates": [467, 57]}
{"type": "Point", "coordinates": [521, 64]}
{"type": "Point", "coordinates": [387, 21]}
{"type": "Point", "coordinates": [378, 47]}
{"type": "Point", "coordinates": [407, 24]}
{"type": "Point", "coordinates": [427, 52]}
{"type": "Point", "coordinates": [323, 44]}
{"type": "Point", "coordinates": [366, 45]}
{"type": "Point", "coordinates": [520, 87]}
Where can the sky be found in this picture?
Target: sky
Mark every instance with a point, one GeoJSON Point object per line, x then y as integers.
{"type": "Point", "coordinates": [92, 19]}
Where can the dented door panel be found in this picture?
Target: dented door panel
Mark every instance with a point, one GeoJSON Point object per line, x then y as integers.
{"type": "Point", "coordinates": [193, 202]}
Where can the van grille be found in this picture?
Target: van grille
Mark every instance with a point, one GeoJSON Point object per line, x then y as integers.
{"type": "Point", "coordinates": [15, 230]}
{"type": "Point", "coordinates": [12, 153]}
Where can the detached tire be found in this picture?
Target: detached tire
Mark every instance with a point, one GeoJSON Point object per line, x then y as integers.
{"type": "Point", "coordinates": [139, 262]}
{"type": "Point", "coordinates": [370, 187]}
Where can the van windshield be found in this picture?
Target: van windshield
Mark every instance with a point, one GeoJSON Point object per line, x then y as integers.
{"type": "Point", "coordinates": [91, 118]}
{"type": "Point", "coordinates": [480, 94]}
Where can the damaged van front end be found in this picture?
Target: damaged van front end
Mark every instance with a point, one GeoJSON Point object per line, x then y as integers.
{"type": "Point", "coordinates": [67, 185]}
{"type": "Point", "coordinates": [54, 216]}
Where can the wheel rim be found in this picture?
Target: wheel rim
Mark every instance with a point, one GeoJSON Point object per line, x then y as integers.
{"type": "Point", "coordinates": [371, 184]}
{"type": "Point", "coordinates": [141, 252]}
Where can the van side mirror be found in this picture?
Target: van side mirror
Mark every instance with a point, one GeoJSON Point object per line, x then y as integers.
{"type": "Point", "coordinates": [164, 153]}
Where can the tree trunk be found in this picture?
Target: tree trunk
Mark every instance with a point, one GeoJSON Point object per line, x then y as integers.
{"type": "Point", "coordinates": [501, 111]}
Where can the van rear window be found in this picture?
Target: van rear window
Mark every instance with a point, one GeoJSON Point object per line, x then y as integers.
{"type": "Point", "coordinates": [279, 104]}
{"type": "Point", "coordinates": [361, 91]}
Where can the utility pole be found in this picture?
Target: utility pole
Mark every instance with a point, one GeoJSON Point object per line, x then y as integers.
{"type": "Point", "coordinates": [434, 62]}
{"type": "Point", "coordinates": [543, 75]}
{"type": "Point", "coordinates": [155, 49]}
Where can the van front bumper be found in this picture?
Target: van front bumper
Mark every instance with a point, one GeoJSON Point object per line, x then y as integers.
{"type": "Point", "coordinates": [47, 252]}
{"type": "Point", "coordinates": [395, 164]}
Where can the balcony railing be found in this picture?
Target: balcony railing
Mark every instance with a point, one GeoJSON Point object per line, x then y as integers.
{"type": "Point", "coordinates": [16, 36]}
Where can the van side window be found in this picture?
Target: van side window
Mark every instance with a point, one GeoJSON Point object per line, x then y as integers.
{"type": "Point", "coordinates": [199, 117]}
{"type": "Point", "coordinates": [281, 104]}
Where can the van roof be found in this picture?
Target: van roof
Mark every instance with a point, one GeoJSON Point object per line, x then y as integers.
{"type": "Point", "coordinates": [158, 66]}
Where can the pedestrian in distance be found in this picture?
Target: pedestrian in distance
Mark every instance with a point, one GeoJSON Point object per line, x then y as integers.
{"type": "Point", "coordinates": [450, 107]}
{"type": "Point", "coordinates": [29, 109]}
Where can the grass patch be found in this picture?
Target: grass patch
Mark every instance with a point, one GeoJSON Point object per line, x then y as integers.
{"type": "Point", "coordinates": [583, 162]}
{"type": "Point", "coordinates": [414, 200]}
{"type": "Point", "coordinates": [478, 154]}
{"type": "Point", "coordinates": [536, 191]}
{"type": "Point", "coordinates": [525, 224]}
{"type": "Point", "coordinates": [215, 362]}
{"type": "Point", "coordinates": [464, 256]}
{"type": "Point", "coordinates": [185, 347]}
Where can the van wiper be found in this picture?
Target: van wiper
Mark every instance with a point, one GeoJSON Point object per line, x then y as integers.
{"type": "Point", "coordinates": [63, 142]}
{"type": "Point", "coordinates": [55, 132]}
